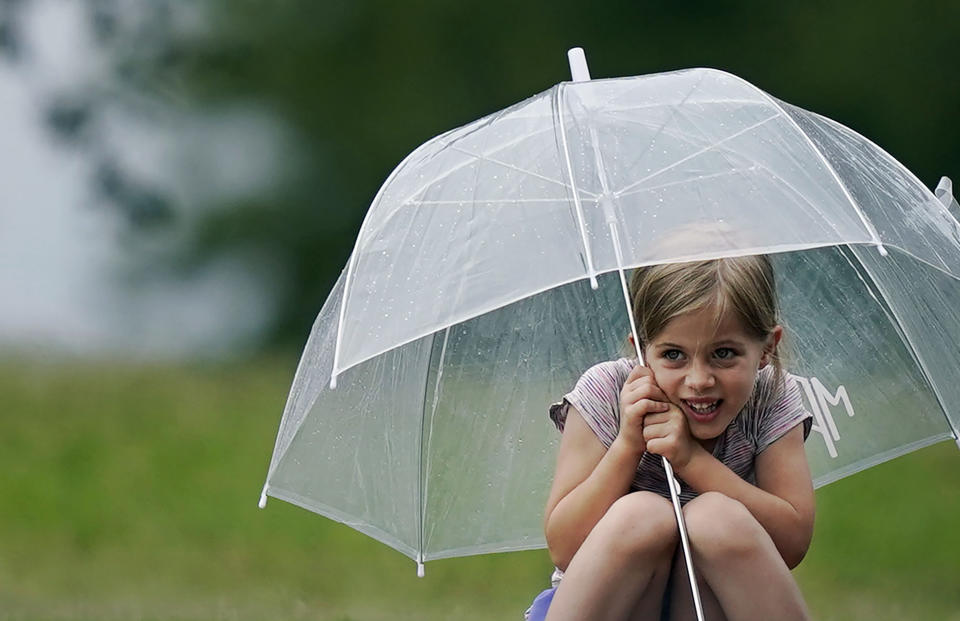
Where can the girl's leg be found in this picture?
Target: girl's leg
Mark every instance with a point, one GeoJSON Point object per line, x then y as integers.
{"type": "Point", "coordinates": [621, 570]}
{"type": "Point", "coordinates": [739, 562]}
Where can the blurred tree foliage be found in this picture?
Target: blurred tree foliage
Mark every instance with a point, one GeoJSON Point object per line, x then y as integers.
{"type": "Point", "coordinates": [360, 83]}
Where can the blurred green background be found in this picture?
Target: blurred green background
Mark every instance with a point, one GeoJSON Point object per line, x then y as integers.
{"type": "Point", "coordinates": [130, 493]}
{"type": "Point", "coordinates": [253, 135]}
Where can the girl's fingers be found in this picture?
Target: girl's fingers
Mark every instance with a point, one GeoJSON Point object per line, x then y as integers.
{"type": "Point", "coordinates": [659, 416]}
{"type": "Point", "coordinates": [644, 391]}
{"type": "Point", "coordinates": [640, 375]}
{"type": "Point", "coordinates": [660, 447]}
{"type": "Point", "coordinates": [643, 388]}
{"type": "Point", "coordinates": [655, 430]}
{"type": "Point", "coordinates": [655, 408]}
{"type": "Point", "coordinates": [638, 372]}
{"type": "Point", "coordinates": [646, 408]}
{"type": "Point", "coordinates": [660, 425]}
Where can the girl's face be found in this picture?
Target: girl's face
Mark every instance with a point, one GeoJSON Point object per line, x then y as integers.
{"type": "Point", "coordinates": [708, 367]}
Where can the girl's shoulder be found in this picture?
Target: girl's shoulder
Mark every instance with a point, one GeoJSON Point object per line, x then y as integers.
{"type": "Point", "coordinates": [611, 372]}
{"type": "Point", "coordinates": [774, 408]}
{"type": "Point", "coordinates": [596, 396]}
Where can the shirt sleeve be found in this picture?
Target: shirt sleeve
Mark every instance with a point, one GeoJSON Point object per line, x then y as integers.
{"type": "Point", "coordinates": [597, 397]}
{"type": "Point", "coordinates": [785, 412]}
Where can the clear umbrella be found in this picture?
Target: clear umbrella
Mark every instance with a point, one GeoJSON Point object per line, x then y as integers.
{"type": "Point", "coordinates": [485, 280]}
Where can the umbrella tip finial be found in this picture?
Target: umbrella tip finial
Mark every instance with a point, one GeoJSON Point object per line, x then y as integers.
{"type": "Point", "coordinates": [419, 566]}
{"type": "Point", "coordinates": [578, 65]}
{"type": "Point", "coordinates": [263, 499]}
{"type": "Point", "coordinates": [333, 381]}
{"type": "Point", "coordinates": [882, 250]}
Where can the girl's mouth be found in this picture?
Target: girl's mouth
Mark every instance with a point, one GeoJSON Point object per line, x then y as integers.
{"type": "Point", "coordinates": [702, 411]}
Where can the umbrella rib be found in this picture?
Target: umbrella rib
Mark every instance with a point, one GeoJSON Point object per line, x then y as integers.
{"type": "Point", "coordinates": [474, 201]}
{"type": "Point", "coordinates": [698, 153]}
{"type": "Point", "coordinates": [754, 166]}
{"type": "Point", "coordinates": [844, 129]}
{"type": "Point", "coordinates": [899, 328]}
{"type": "Point", "coordinates": [923, 189]}
{"type": "Point", "coordinates": [468, 130]}
{"type": "Point", "coordinates": [581, 224]}
{"type": "Point", "coordinates": [423, 486]}
{"type": "Point", "coordinates": [487, 158]}
{"type": "Point", "coordinates": [674, 110]}
{"type": "Point", "coordinates": [682, 102]}
{"type": "Point", "coordinates": [868, 462]}
{"type": "Point", "coordinates": [618, 95]}
{"type": "Point", "coordinates": [802, 196]}
{"type": "Point", "coordinates": [351, 263]}
{"type": "Point", "coordinates": [510, 143]}
{"type": "Point", "coordinates": [843, 188]}
{"type": "Point", "coordinates": [410, 199]}
{"type": "Point", "coordinates": [694, 256]}
{"type": "Point", "coordinates": [661, 128]}
{"type": "Point", "coordinates": [669, 184]}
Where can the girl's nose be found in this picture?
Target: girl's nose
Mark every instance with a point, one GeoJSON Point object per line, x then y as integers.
{"type": "Point", "coordinates": [700, 377]}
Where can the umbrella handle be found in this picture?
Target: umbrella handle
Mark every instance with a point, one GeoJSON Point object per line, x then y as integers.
{"type": "Point", "coordinates": [687, 556]}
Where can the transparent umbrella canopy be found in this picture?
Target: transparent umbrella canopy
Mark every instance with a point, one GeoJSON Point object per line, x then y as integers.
{"type": "Point", "coordinates": [484, 281]}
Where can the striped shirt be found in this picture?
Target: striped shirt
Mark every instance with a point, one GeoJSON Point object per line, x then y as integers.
{"type": "Point", "coordinates": [768, 415]}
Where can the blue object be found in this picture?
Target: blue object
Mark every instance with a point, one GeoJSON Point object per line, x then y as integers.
{"type": "Point", "coordinates": [538, 609]}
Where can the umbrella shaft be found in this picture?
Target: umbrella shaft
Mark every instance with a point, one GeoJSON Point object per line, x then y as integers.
{"type": "Point", "coordinates": [688, 558]}
{"type": "Point", "coordinates": [668, 469]}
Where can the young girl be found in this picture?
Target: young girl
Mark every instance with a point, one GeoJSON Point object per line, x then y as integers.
{"type": "Point", "coordinates": [714, 401]}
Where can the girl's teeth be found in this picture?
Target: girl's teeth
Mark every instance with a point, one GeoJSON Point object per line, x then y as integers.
{"type": "Point", "coordinates": [702, 408]}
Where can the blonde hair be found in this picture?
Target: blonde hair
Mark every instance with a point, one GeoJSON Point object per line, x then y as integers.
{"type": "Point", "coordinates": [742, 284]}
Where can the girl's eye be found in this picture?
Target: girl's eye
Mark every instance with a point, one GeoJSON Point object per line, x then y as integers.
{"type": "Point", "coordinates": [724, 353]}
{"type": "Point", "coordinates": [673, 354]}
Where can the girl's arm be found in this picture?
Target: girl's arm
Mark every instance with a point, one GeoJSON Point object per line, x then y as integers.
{"type": "Point", "coordinates": [589, 478]}
{"type": "Point", "coordinates": [782, 500]}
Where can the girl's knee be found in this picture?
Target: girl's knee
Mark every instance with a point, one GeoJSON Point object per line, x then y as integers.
{"type": "Point", "coordinates": [721, 528]}
{"type": "Point", "coordinates": [642, 524]}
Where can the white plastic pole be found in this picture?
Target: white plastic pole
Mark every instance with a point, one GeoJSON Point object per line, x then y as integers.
{"type": "Point", "coordinates": [580, 73]}
{"type": "Point", "coordinates": [667, 468]}
{"type": "Point", "coordinates": [944, 194]}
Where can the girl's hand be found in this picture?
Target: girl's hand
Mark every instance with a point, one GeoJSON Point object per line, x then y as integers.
{"type": "Point", "coordinates": [667, 435]}
{"type": "Point", "coordinates": [639, 398]}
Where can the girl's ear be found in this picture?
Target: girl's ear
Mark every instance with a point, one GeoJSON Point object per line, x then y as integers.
{"type": "Point", "coordinates": [770, 346]}
{"type": "Point", "coordinates": [633, 345]}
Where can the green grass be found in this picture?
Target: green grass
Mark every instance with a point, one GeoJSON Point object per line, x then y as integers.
{"type": "Point", "coordinates": [130, 492]}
